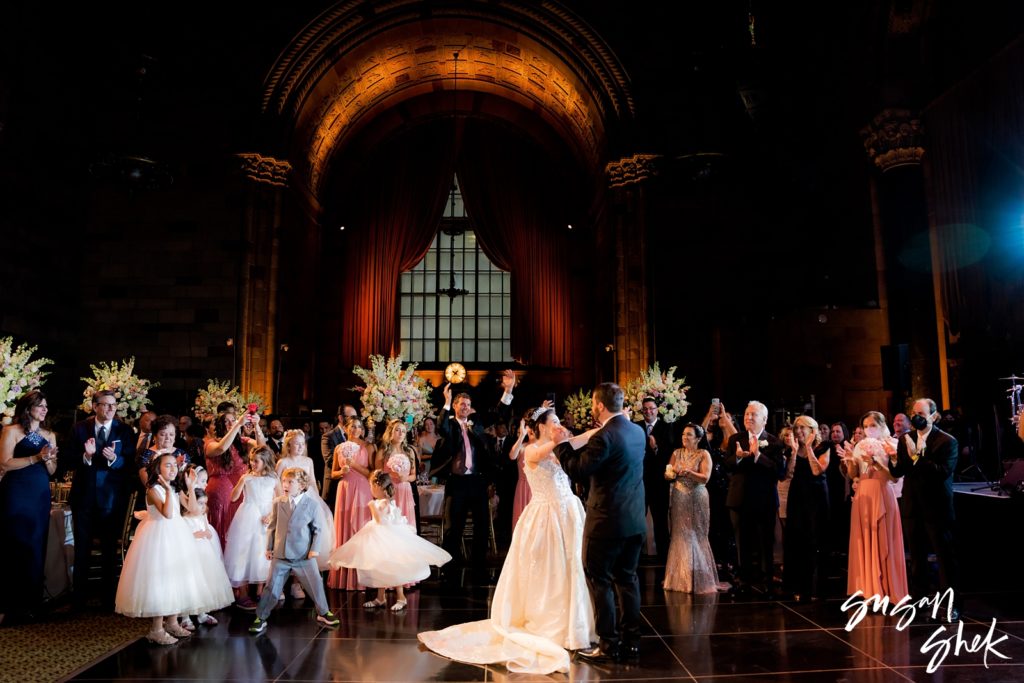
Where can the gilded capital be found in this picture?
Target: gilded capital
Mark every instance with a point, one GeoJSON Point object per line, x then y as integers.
{"type": "Point", "coordinates": [631, 170]}
{"type": "Point", "coordinates": [894, 138]}
{"type": "Point", "coordinates": [261, 169]}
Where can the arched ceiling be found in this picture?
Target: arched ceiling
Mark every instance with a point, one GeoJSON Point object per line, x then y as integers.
{"type": "Point", "coordinates": [361, 59]}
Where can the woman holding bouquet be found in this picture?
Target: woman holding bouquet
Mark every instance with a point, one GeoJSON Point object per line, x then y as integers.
{"type": "Point", "coordinates": [353, 461]}
{"type": "Point", "coordinates": [399, 460]}
{"type": "Point", "coordinates": [876, 562]}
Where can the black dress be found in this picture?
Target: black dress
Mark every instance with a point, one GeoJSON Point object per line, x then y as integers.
{"type": "Point", "coordinates": [24, 522]}
{"type": "Point", "coordinates": [807, 514]}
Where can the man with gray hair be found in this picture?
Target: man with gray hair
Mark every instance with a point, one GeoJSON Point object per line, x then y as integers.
{"type": "Point", "coordinates": [754, 457]}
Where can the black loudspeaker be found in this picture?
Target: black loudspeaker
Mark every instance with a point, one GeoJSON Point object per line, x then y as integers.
{"type": "Point", "coordinates": [896, 368]}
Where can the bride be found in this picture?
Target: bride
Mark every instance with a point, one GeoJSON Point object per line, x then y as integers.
{"type": "Point", "coordinates": [541, 606]}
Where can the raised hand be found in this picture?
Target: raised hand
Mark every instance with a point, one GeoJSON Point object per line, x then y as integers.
{"type": "Point", "coordinates": [508, 381]}
{"type": "Point", "coordinates": [546, 403]}
{"type": "Point", "coordinates": [447, 394]}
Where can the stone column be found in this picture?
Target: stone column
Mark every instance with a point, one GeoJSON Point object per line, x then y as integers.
{"type": "Point", "coordinates": [266, 181]}
{"type": "Point", "coordinates": [894, 142]}
{"type": "Point", "coordinates": [627, 178]}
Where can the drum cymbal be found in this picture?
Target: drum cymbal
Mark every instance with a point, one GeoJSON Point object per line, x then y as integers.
{"type": "Point", "coordinates": [1013, 378]}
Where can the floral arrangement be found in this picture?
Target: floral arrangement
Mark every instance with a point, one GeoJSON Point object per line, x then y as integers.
{"type": "Point", "coordinates": [578, 413]}
{"type": "Point", "coordinates": [399, 464]}
{"type": "Point", "coordinates": [389, 392]}
{"type": "Point", "coordinates": [130, 390]}
{"type": "Point", "coordinates": [868, 450]}
{"type": "Point", "coordinates": [18, 374]}
{"type": "Point", "coordinates": [668, 390]}
{"type": "Point", "coordinates": [348, 450]}
{"type": "Point", "coordinates": [218, 391]}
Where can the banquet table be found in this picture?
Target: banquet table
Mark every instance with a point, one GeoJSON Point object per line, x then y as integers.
{"type": "Point", "coordinates": [431, 500]}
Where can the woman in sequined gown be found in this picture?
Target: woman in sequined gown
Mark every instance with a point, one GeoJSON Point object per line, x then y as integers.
{"type": "Point", "coordinates": [541, 606]}
{"type": "Point", "coordinates": [690, 567]}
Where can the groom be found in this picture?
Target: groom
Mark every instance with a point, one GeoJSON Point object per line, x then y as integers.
{"type": "Point", "coordinates": [613, 460]}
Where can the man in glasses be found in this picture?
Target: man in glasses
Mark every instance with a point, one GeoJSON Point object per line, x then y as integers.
{"type": "Point", "coordinates": [99, 448]}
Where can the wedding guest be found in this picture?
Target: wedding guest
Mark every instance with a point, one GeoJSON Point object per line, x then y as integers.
{"type": "Point", "coordinates": [328, 443]}
{"type": "Point", "coordinates": [181, 438]}
{"type": "Point", "coordinates": [471, 463]}
{"type": "Point", "coordinates": [28, 458]}
{"type": "Point", "coordinates": [876, 562]}
{"type": "Point", "coordinates": [506, 483]}
{"type": "Point", "coordinates": [690, 565]}
{"type": "Point", "coordinates": [722, 539]}
{"type": "Point", "coordinates": [225, 461]}
{"type": "Point", "coordinates": [97, 452]}
{"type": "Point", "coordinates": [145, 431]}
{"type": "Point", "coordinates": [807, 512]}
{"type": "Point", "coordinates": [840, 495]}
{"type": "Point", "coordinates": [275, 437]}
{"type": "Point", "coordinates": [826, 432]}
{"type": "Point", "coordinates": [789, 449]}
{"type": "Point", "coordinates": [163, 430]}
{"type": "Point", "coordinates": [427, 441]}
{"type": "Point", "coordinates": [926, 459]}
{"type": "Point", "coordinates": [195, 435]}
{"type": "Point", "coordinates": [295, 455]}
{"type": "Point", "coordinates": [656, 457]}
{"type": "Point", "coordinates": [754, 459]}
{"type": "Point", "coordinates": [900, 425]}
{"type": "Point", "coordinates": [352, 462]}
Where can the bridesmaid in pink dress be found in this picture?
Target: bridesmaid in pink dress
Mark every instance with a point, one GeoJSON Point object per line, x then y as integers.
{"type": "Point", "coordinates": [391, 444]}
{"type": "Point", "coordinates": [523, 493]}
{"type": "Point", "coordinates": [876, 562]}
{"type": "Point", "coordinates": [225, 463]}
{"type": "Point", "coordinates": [353, 461]}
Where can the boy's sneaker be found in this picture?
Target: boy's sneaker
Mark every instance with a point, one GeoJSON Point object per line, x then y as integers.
{"type": "Point", "coordinates": [328, 619]}
{"type": "Point", "coordinates": [258, 626]}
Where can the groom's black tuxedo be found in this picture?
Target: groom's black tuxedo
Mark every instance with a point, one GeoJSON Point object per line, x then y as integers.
{"type": "Point", "coordinates": [613, 461]}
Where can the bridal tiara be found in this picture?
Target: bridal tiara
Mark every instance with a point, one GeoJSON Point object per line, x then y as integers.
{"type": "Point", "coordinates": [537, 413]}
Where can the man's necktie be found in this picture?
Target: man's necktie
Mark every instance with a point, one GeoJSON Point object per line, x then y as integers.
{"type": "Point", "coordinates": [101, 439]}
{"type": "Point", "coordinates": [467, 449]}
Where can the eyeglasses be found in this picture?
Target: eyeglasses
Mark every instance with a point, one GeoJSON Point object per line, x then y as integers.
{"type": "Point", "coordinates": [107, 405]}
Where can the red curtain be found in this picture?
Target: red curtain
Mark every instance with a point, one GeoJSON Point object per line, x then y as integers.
{"type": "Point", "coordinates": [391, 216]}
{"type": "Point", "coordinates": [517, 207]}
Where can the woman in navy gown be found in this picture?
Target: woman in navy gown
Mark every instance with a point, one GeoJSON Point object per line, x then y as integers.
{"type": "Point", "coordinates": [28, 457]}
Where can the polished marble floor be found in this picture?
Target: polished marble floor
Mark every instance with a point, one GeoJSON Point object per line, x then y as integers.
{"type": "Point", "coordinates": [686, 638]}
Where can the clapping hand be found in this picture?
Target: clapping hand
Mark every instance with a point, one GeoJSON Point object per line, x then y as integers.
{"type": "Point", "coordinates": [651, 443]}
{"type": "Point", "coordinates": [162, 482]}
{"type": "Point", "coordinates": [740, 453]}
{"type": "Point", "coordinates": [110, 454]}
{"type": "Point", "coordinates": [844, 454]}
{"type": "Point", "coordinates": [190, 479]}
{"type": "Point", "coordinates": [90, 447]}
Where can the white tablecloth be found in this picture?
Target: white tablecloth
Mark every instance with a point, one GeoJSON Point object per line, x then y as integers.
{"type": "Point", "coordinates": [431, 500]}
{"type": "Point", "coordinates": [60, 552]}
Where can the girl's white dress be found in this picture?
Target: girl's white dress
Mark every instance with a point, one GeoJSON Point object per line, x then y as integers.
{"type": "Point", "coordinates": [210, 558]}
{"type": "Point", "coordinates": [541, 606]}
{"type": "Point", "coordinates": [245, 551]}
{"type": "Point", "coordinates": [388, 553]}
{"type": "Point", "coordinates": [324, 519]}
{"type": "Point", "coordinates": [161, 575]}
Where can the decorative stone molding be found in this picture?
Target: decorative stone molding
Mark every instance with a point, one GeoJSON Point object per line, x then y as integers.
{"type": "Point", "coordinates": [894, 138]}
{"type": "Point", "coordinates": [630, 170]}
{"type": "Point", "coordinates": [269, 170]}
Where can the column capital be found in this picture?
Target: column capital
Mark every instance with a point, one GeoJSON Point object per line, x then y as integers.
{"type": "Point", "coordinates": [894, 138]}
{"type": "Point", "coordinates": [631, 170]}
{"type": "Point", "coordinates": [261, 169]}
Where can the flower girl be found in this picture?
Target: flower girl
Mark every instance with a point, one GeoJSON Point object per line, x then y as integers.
{"type": "Point", "coordinates": [161, 577]}
{"type": "Point", "coordinates": [244, 556]}
{"type": "Point", "coordinates": [209, 557]}
{"type": "Point", "coordinates": [387, 553]}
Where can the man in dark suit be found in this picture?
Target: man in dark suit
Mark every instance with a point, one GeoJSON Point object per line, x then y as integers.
{"type": "Point", "coordinates": [657, 453]}
{"type": "Point", "coordinates": [505, 482]}
{"type": "Point", "coordinates": [926, 459]}
{"type": "Point", "coordinates": [98, 450]}
{"type": "Point", "coordinates": [275, 437]}
{"type": "Point", "coordinates": [754, 457]}
{"type": "Point", "coordinates": [471, 464]}
{"type": "Point", "coordinates": [613, 461]}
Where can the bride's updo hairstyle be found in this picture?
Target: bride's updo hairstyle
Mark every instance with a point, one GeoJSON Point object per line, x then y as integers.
{"type": "Point", "coordinates": [535, 417]}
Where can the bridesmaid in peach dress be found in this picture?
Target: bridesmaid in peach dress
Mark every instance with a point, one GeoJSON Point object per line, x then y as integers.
{"type": "Point", "coordinates": [402, 470]}
{"type": "Point", "coordinates": [523, 493]}
{"type": "Point", "coordinates": [353, 461]}
{"type": "Point", "coordinates": [876, 562]}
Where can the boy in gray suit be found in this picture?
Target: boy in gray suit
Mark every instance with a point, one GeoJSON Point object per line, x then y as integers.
{"type": "Point", "coordinates": [291, 540]}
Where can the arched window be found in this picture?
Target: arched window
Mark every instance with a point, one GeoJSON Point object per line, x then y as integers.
{"type": "Point", "coordinates": [472, 327]}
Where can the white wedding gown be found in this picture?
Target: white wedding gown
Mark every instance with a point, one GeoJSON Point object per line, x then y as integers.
{"type": "Point", "coordinates": [541, 606]}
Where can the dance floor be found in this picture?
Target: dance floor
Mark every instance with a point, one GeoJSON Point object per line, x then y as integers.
{"type": "Point", "coordinates": [686, 638]}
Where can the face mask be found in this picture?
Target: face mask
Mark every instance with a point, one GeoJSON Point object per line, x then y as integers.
{"type": "Point", "coordinates": [873, 432]}
{"type": "Point", "coordinates": [918, 422]}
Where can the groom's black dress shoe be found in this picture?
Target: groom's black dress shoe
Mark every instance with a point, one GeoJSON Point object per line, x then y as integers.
{"type": "Point", "coordinates": [597, 654]}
